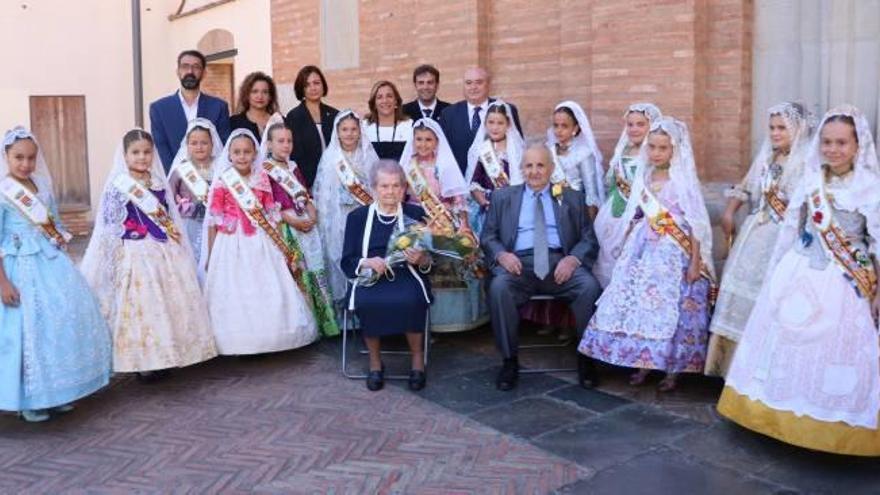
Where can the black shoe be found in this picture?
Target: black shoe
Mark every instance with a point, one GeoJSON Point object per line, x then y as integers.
{"type": "Point", "coordinates": [587, 376]}
{"type": "Point", "coordinates": [149, 376]}
{"type": "Point", "coordinates": [376, 380]}
{"type": "Point", "coordinates": [508, 376]}
{"type": "Point", "coordinates": [417, 379]}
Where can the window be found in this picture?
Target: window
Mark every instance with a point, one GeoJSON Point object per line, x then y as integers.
{"type": "Point", "coordinates": [340, 34]}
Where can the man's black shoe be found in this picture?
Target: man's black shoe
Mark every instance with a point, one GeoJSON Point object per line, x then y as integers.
{"type": "Point", "coordinates": [587, 375]}
{"type": "Point", "coordinates": [509, 375]}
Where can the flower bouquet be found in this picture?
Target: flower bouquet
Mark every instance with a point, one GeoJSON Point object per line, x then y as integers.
{"type": "Point", "coordinates": [458, 247]}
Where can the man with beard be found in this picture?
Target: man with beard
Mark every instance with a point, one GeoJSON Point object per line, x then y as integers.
{"type": "Point", "coordinates": [426, 79]}
{"type": "Point", "coordinates": [170, 115]}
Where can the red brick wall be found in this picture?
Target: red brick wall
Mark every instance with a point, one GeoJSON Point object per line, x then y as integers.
{"type": "Point", "coordinates": [691, 57]}
{"type": "Point", "coordinates": [218, 81]}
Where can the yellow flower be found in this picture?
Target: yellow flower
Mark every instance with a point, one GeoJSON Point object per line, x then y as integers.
{"type": "Point", "coordinates": [465, 242]}
{"type": "Point", "coordinates": [556, 190]}
{"type": "Point", "coordinates": [403, 243]}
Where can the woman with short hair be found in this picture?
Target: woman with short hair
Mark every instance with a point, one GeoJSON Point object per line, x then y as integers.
{"type": "Point", "coordinates": [397, 302]}
{"type": "Point", "coordinates": [311, 121]}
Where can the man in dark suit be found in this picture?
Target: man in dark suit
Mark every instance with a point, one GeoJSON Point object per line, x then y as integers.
{"type": "Point", "coordinates": [426, 79]}
{"type": "Point", "coordinates": [461, 120]}
{"type": "Point", "coordinates": [538, 241]}
{"type": "Point", "coordinates": [170, 115]}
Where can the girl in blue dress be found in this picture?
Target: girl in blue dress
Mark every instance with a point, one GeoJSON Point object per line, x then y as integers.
{"type": "Point", "coordinates": [54, 343]}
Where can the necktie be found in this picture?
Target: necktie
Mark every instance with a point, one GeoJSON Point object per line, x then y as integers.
{"type": "Point", "coordinates": [542, 252]}
{"type": "Point", "coordinates": [427, 112]}
{"type": "Point", "coordinates": [475, 121]}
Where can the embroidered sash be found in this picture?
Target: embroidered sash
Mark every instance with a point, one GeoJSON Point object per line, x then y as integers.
{"type": "Point", "coordinates": [193, 180]}
{"type": "Point", "coordinates": [855, 264]}
{"type": "Point", "coordinates": [776, 203]}
{"type": "Point", "coordinates": [492, 165]}
{"type": "Point", "coordinates": [772, 194]}
{"type": "Point", "coordinates": [146, 202]}
{"type": "Point", "coordinates": [350, 180]}
{"type": "Point", "coordinates": [250, 205]}
{"type": "Point", "coordinates": [285, 178]}
{"type": "Point", "coordinates": [558, 175]}
{"type": "Point", "coordinates": [622, 179]}
{"type": "Point", "coordinates": [663, 223]}
{"type": "Point", "coordinates": [436, 210]}
{"type": "Point", "coordinates": [29, 205]}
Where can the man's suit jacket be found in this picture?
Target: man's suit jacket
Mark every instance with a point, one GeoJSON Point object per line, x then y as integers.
{"type": "Point", "coordinates": [168, 122]}
{"type": "Point", "coordinates": [415, 112]}
{"type": "Point", "coordinates": [307, 147]}
{"type": "Point", "coordinates": [575, 229]}
{"type": "Point", "coordinates": [456, 124]}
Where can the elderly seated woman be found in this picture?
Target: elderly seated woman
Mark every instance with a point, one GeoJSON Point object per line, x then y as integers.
{"type": "Point", "coordinates": [397, 303]}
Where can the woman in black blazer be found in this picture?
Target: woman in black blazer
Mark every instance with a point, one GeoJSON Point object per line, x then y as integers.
{"type": "Point", "coordinates": [311, 121]}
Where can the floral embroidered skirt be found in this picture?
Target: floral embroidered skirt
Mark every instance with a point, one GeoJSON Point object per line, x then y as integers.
{"type": "Point", "coordinates": [161, 317]}
{"type": "Point", "coordinates": [649, 316]}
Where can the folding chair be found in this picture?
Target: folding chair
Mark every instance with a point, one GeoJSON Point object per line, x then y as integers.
{"type": "Point", "coordinates": [346, 317]}
{"type": "Point", "coordinates": [558, 345]}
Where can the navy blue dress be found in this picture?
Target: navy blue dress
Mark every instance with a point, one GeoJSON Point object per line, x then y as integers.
{"type": "Point", "coordinates": [388, 307]}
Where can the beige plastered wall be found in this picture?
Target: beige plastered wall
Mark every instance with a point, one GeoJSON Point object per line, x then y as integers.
{"type": "Point", "coordinates": [84, 47]}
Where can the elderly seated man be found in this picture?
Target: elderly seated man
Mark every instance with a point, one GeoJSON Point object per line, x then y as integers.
{"type": "Point", "coordinates": [538, 240]}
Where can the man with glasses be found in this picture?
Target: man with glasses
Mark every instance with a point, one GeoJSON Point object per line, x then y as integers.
{"type": "Point", "coordinates": [170, 115]}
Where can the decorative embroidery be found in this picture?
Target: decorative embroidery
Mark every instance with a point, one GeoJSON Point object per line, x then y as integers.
{"type": "Point", "coordinates": [855, 264]}
{"type": "Point", "coordinates": [33, 209]}
{"type": "Point", "coordinates": [492, 165]}
{"type": "Point", "coordinates": [351, 181]}
{"type": "Point", "coordinates": [147, 203]}
{"type": "Point", "coordinates": [663, 223]}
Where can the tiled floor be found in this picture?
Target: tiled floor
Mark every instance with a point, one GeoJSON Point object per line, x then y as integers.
{"type": "Point", "coordinates": [290, 423]}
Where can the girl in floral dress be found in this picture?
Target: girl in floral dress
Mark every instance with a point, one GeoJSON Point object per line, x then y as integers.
{"type": "Point", "coordinates": [654, 314]}
{"type": "Point", "coordinates": [140, 265]}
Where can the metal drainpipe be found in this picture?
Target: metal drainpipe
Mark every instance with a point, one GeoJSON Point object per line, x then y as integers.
{"type": "Point", "coordinates": [137, 63]}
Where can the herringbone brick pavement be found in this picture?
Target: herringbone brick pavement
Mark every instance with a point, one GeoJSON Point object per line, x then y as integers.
{"type": "Point", "coordinates": [286, 423]}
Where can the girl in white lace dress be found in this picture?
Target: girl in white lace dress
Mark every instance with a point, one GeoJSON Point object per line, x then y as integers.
{"type": "Point", "coordinates": [578, 159]}
{"type": "Point", "coordinates": [807, 369]}
{"type": "Point", "coordinates": [610, 227]}
{"type": "Point", "coordinates": [767, 186]}
{"type": "Point", "coordinates": [255, 304]}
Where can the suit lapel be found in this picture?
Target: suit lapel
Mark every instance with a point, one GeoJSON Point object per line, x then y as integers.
{"type": "Point", "coordinates": [177, 111]}
{"type": "Point", "coordinates": [515, 207]}
{"type": "Point", "coordinates": [202, 110]}
{"type": "Point", "coordinates": [559, 210]}
{"type": "Point", "coordinates": [466, 116]}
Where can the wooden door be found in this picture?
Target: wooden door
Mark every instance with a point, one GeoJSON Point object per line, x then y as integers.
{"type": "Point", "coordinates": [59, 123]}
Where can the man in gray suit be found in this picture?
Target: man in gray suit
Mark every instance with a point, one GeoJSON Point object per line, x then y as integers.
{"type": "Point", "coordinates": [538, 243]}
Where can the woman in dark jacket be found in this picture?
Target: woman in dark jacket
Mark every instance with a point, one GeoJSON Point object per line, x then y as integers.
{"type": "Point", "coordinates": [311, 121]}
